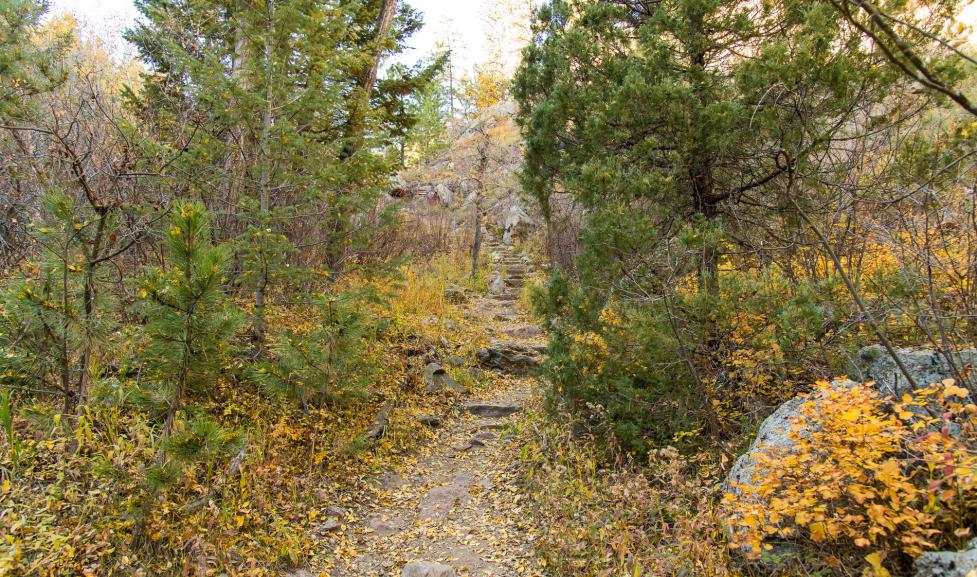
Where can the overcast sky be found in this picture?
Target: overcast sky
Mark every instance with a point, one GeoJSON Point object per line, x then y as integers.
{"type": "Point", "coordinates": [462, 18]}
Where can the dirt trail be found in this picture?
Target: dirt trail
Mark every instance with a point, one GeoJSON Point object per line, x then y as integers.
{"type": "Point", "coordinates": [457, 505]}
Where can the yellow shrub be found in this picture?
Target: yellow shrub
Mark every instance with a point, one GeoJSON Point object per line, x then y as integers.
{"type": "Point", "coordinates": [866, 473]}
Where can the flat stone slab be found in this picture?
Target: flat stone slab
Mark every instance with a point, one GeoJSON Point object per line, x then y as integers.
{"type": "Point", "coordinates": [426, 569]}
{"type": "Point", "coordinates": [492, 410]}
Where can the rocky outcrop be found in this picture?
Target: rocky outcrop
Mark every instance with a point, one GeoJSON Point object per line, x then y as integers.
{"type": "Point", "coordinates": [426, 569]}
{"type": "Point", "coordinates": [926, 366]}
{"type": "Point", "coordinates": [516, 223]}
{"type": "Point", "coordinates": [436, 380]}
{"type": "Point", "coordinates": [948, 563]}
{"type": "Point", "coordinates": [509, 357]}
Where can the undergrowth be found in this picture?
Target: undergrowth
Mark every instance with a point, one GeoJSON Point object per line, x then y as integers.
{"type": "Point", "coordinates": [606, 515]}
{"type": "Point", "coordinates": [75, 505]}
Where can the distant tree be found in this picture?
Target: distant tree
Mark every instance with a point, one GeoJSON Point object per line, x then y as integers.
{"type": "Point", "coordinates": [26, 67]}
{"type": "Point", "coordinates": [280, 110]}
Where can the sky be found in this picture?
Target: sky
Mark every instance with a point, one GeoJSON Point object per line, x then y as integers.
{"type": "Point", "coordinates": [464, 19]}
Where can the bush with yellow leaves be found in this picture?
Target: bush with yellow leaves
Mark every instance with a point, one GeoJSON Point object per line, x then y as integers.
{"type": "Point", "coordinates": [873, 477]}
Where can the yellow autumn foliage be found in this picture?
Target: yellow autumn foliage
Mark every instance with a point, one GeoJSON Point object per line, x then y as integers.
{"type": "Point", "coordinates": [866, 472]}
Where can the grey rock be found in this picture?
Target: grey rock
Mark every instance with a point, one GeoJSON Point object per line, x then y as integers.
{"type": "Point", "coordinates": [456, 361]}
{"type": "Point", "coordinates": [516, 222]}
{"type": "Point", "coordinates": [775, 434]}
{"type": "Point", "coordinates": [379, 425]}
{"type": "Point", "coordinates": [927, 366]}
{"type": "Point", "coordinates": [948, 563]}
{"type": "Point", "coordinates": [526, 332]}
{"type": "Point", "coordinates": [429, 421]}
{"type": "Point", "coordinates": [436, 379]}
{"type": "Point", "coordinates": [444, 193]}
{"type": "Point", "coordinates": [455, 295]}
{"type": "Point", "coordinates": [330, 524]}
{"type": "Point", "coordinates": [496, 283]}
{"type": "Point", "coordinates": [492, 410]}
{"type": "Point", "coordinates": [510, 357]}
{"type": "Point", "coordinates": [426, 569]}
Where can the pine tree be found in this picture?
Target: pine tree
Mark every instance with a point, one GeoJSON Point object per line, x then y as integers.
{"type": "Point", "coordinates": [26, 68]}
{"type": "Point", "coordinates": [684, 129]}
{"type": "Point", "coordinates": [56, 314]}
{"type": "Point", "coordinates": [279, 109]}
{"type": "Point", "coordinates": [323, 364]}
{"type": "Point", "coordinates": [190, 321]}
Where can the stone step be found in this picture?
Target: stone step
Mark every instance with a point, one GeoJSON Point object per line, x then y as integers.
{"type": "Point", "coordinates": [492, 410]}
{"type": "Point", "coordinates": [506, 297]}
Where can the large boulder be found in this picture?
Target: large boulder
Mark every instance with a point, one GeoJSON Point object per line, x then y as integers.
{"type": "Point", "coordinates": [426, 569]}
{"type": "Point", "coordinates": [516, 222]}
{"type": "Point", "coordinates": [444, 194]}
{"type": "Point", "coordinates": [948, 563]}
{"type": "Point", "coordinates": [436, 379]}
{"type": "Point", "coordinates": [927, 366]}
{"type": "Point", "coordinates": [510, 357]}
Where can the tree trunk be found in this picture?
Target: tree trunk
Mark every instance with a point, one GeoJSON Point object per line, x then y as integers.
{"type": "Point", "coordinates": [264, 177]}
{"type": "Point", "coordinates": [354, 134]}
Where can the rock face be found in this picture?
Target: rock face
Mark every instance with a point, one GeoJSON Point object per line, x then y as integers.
{"type": "Point", "coordinates": [436, 379]}
{"type": "Point", "coordinates": [427, 569]}
{"type": "Point", "coordinates": [510, 357]}
{"type": "Point", "coordinates": [927, 366]}
{"type": "Point", "coordinates": [948, 563]}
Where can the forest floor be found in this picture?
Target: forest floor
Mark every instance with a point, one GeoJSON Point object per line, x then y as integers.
{"type": "Point", "coordinates": [457, 502]}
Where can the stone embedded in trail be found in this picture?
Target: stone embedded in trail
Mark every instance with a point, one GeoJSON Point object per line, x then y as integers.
{"type": "Point", "coordinates": [509, 357]}
{"type": "Point", "coordinates": [455, 295]}
{"type": "Point", "coordinates": [492, 410]}
{"type": "Point", "coordinates": [426, 569]}
{"type": "Point", "coordinates": [429, 421]}
{"type": "Point", "coordinates": [525, 332]}
{"type": "Point", "coordinates": [436, 379]}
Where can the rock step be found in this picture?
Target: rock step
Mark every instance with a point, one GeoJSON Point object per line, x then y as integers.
{"type": "Point", "coordinates": [492, 410]}
{"type": "Point", "coordinates": [427, 569]}
{"type": "Point", "coordinates": [506, 297]}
